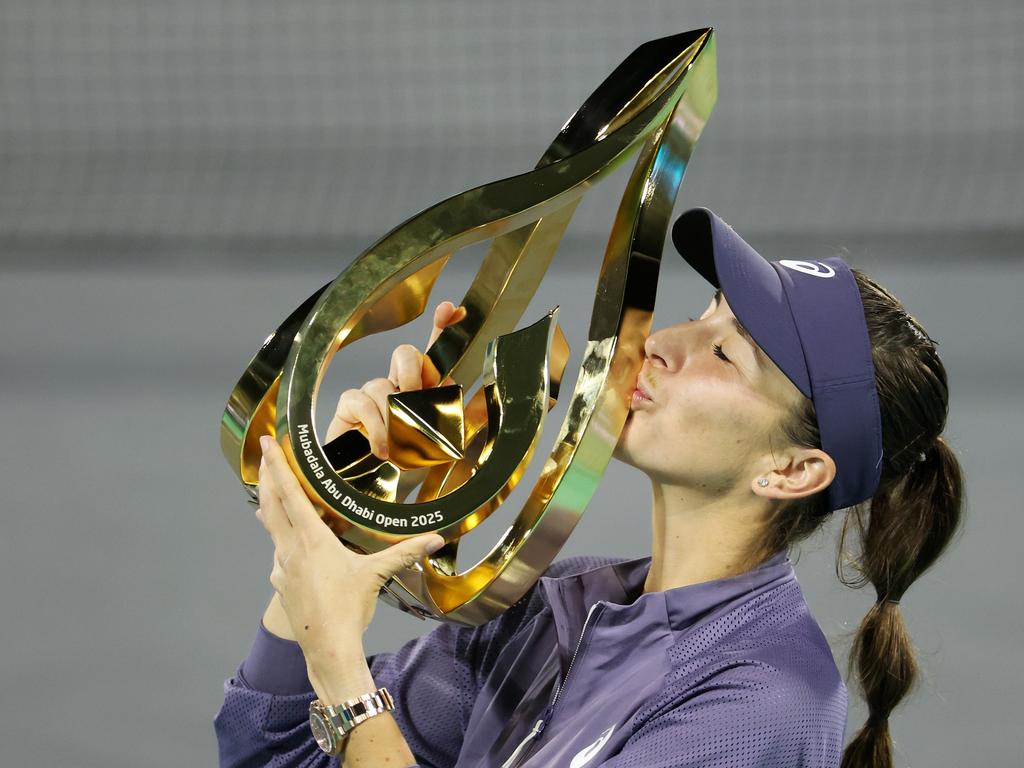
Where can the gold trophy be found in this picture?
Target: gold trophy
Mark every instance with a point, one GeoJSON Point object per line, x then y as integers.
{"type": "Point", "coordinates": [477, 448]}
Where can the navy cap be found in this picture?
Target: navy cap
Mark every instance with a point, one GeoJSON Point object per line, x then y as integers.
{"type": "Point", "coordinates": [808, 318]}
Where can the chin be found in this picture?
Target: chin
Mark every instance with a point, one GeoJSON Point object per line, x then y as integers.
{"type": "Point", "coordinates": [622, 452]}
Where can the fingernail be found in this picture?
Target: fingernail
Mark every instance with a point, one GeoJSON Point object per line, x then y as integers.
{"type": "Point", "coordinates": [435, 545]}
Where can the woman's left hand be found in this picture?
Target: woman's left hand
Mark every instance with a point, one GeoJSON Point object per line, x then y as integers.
{"type": "Point", "coordinates": [328, 591]}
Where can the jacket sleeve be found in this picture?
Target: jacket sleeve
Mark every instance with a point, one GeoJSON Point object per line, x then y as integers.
{"type": "Point", "coordinates": [264, 718]}
{"type": "Point", "coordinates": [747, 716]}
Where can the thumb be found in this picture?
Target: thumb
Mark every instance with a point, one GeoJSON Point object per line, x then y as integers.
{"type": "Point", "coordinates": [406, 553]}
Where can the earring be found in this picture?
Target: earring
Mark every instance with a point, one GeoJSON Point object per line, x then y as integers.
{"type": "Point", "coordinates": [763, 482]}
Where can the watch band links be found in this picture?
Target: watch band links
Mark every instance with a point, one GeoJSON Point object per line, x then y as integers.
{"type": "Point", "coordinates": [331, 725]}
{"type": "Point", "coordinates": [354, 711]}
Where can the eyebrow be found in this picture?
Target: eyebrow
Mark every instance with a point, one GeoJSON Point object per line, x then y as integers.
{"type": "Point", "coordinates": [758, 352]}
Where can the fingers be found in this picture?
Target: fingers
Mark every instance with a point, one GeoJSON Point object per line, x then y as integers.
{"type": "Point", "coordinates": [407, 368]}
{"type": "Point", "coordinates": [338, 425]}
{"type": "Point", "coordinates": [377, 431]}
{"type": "Point", "coordinates": [445, 314]}
{"type": "Point", "coordinates": [297, 507]}
{"type": "Point", "coordinates": [356, 408]}
{"type": "Point", "coordinates": [405, 554]}
{"type": "Point", "coordinates": [367, 409]}
{"type": "Point", "coordinates": [271, 513]}
{"type": "Point", "coordinates": [429, 375]}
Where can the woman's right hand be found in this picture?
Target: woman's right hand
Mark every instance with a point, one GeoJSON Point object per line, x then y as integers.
{"type": "Point", "coordinates": [366, 408]}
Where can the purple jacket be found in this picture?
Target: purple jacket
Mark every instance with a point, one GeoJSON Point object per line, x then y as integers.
{"type": "Point", "coordinates": [728, 673]}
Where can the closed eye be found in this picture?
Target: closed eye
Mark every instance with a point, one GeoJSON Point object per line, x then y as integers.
{"type": "Point", "coordinates": [716, 347]}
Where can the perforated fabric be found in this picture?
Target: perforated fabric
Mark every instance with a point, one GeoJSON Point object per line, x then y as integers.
{"type": "Point", "coordinates": [728, 673]}
{"type": "Point", "coordinates": [744, 691]}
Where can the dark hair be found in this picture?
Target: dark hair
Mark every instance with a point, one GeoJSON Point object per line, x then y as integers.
{"type": "Point", "coordinates": [904, 527]}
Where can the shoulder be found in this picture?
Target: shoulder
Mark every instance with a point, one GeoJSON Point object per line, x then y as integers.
{"type": "Point", "coordinates": [773, 630]}
{"type": "Point", "coordinates": [781, 635]}
{"type": "Point", "coordinates": [762, 668]}
{"type": "Point", "coordinates": [745, 714]}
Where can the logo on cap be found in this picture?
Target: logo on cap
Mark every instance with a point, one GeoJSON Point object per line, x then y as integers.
{"type": "Point", "coordinates": [815, 268]}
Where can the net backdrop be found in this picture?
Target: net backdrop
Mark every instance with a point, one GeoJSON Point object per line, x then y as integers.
{"type": "Point", "coordinates": [263, 120]}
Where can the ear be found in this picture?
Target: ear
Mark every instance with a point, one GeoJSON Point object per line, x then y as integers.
{"type": "Point", "coordinates": [805, 472]}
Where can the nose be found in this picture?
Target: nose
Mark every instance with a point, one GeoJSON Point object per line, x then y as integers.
{"type": "Point", "coordinates": [666, 348]}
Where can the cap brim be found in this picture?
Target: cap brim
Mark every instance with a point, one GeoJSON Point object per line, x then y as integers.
{"type": "Point", "coordinates": [751, 285]}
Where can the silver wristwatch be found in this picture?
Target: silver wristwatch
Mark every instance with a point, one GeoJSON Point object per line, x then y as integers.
{"type": "Point", "coordinates": [331, 725]}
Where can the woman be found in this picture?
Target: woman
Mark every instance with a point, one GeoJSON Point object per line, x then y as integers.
{"type": "Point", "coordinates": [804, 388]}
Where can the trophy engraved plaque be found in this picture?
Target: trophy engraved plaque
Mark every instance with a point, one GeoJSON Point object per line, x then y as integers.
{"type": "Point", "coordinates": [475, 447]}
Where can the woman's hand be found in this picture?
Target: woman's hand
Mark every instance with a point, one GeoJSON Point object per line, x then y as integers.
{"type": "Point", "coordinates": [366, 408]}
{"type": "Point", "coordinates": [328, 591]}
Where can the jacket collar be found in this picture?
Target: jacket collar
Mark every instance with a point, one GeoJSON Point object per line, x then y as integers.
{"type": "Point", "coordinates": [620, 585]}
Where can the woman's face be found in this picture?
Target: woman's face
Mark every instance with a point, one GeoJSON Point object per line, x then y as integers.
{"type": "Point", "coordinates": [708, 414]}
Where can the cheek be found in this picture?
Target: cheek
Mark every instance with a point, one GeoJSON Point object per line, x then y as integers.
{"type": "Point", "coordinates": [706, 403]}
{"type": "Point", "coordinates": [706, 422]}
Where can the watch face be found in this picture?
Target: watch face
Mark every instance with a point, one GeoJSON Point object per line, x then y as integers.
{"type": "Point", "coordinates": [321, 731]}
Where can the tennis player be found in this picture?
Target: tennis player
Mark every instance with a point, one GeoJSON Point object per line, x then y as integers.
{"type": "Point", "coordinates": [804, 389]}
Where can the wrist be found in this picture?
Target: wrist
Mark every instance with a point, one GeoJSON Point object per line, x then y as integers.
{"type": "Point", "coordinates": [340, 672]}
{"type": "Point", "coordinates": [337, 688]}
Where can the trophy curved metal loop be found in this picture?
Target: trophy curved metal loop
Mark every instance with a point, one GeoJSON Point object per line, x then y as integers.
{"type": "Point", "coordinates": [658, 100]}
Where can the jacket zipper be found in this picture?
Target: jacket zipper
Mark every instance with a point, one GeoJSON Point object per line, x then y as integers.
{"type": "Point", "coordinates": [519, 754]}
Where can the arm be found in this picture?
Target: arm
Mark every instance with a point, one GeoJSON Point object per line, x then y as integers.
{"type": "Point", "coordinates": [344, 674]}
{"type": "Point", "coordinates": [314, 573]}
{"type": "Point", "coordinates": [264, 718]}
{"type": "Point", "coordinates": [749, 715]}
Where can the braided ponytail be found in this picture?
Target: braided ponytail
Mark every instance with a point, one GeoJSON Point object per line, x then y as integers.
{"type": "Point", "coordinates": [903, 529]}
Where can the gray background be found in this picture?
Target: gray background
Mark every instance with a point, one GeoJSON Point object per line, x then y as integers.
{"type": "Point", "coordinates": [176, 177]}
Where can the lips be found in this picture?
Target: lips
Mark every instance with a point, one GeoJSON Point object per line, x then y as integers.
{"type": "Point", "coordinates": [643, 389]}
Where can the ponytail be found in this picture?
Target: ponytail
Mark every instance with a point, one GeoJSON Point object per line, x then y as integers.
{"type": "Point", "coordinates": [909, 523]}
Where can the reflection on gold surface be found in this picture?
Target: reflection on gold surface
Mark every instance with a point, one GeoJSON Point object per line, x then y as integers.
{"type": "Point", "coordinates": [655, 103]}
{"type": "Point", "coordinates": [425, 427]}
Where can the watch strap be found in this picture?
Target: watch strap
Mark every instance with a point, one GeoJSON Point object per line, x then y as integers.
{"type": "Point", "coordinates": [342, 719]}
{"type": "Point", "coordinates": [355, 711]}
